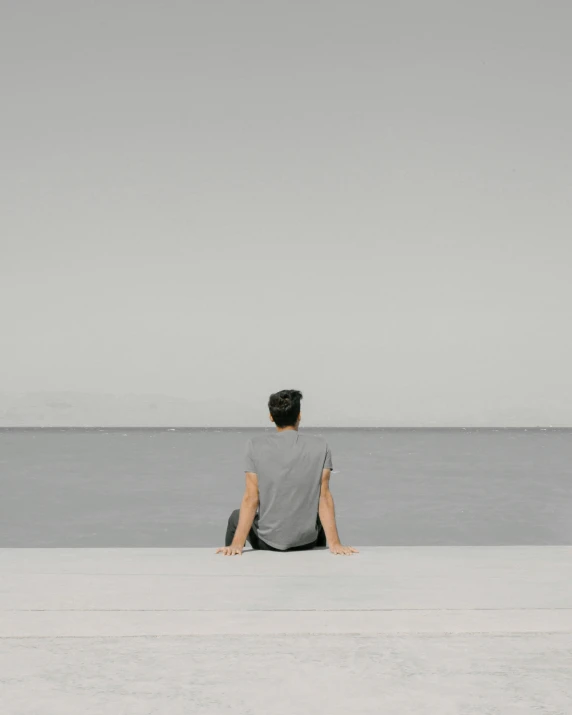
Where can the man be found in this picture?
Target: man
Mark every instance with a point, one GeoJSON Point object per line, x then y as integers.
{"type": "Point", "coordinates": [288, 477]}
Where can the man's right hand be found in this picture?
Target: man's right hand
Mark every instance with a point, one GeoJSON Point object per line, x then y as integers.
{"type": "Point", "coordinates": [344, 550]}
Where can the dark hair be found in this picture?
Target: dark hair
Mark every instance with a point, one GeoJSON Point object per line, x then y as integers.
{"type": "Point", "coordinates": [284, 407]}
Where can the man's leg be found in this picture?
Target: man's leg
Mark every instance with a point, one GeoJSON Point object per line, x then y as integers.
{"type": "Point", "coordinates": [231, 527]}
{"type": "Point", "coordinates": [252, 537]}
{"type": "Point", "coordinates": [321, 540]}
{"type": "Point", "coordinates": [257, 543]}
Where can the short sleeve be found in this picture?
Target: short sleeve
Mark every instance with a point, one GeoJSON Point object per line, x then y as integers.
{"type": "Point", "coordinates": [328, 459]}
{"type": "Point", "coordinates": [249, 465]}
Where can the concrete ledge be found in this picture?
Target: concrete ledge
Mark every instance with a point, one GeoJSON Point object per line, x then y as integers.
{"type": "Point", "coordinates": [98, 624]}
{"type": "Point", "coordinates": [423, 560]}
{"type": "Point", "coordinates": [135, 592]}
{"type": "Point", "coordinates": [453, 631]}
{"type": "Point", "coordinates": [395, 579]}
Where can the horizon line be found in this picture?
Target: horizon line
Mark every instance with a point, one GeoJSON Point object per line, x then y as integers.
{"type": "Point", "coordinates": [258, 427]}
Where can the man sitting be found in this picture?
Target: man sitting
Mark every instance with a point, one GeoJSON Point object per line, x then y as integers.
{"type": "Point", "coordinates": [288, 477]}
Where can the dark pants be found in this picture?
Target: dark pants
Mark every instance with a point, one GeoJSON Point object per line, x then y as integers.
{"type": "Point", "coordinates": [256, 542]}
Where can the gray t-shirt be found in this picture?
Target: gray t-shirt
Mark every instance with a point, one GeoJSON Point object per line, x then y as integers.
{"type": "Point", "coordinates": [289, 468]}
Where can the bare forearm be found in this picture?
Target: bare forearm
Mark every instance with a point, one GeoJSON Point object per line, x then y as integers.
{"type": "Point", "coordinates": [327, 514]}
{"type": "Point", "coordinates": [247, 513]}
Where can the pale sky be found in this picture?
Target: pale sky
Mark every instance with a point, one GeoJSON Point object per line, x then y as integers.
{"type": "Point", "coordinates": [370, 202]}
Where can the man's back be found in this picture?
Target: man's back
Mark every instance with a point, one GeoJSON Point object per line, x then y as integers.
{"type": "Point", "coordinates": [289, 468]}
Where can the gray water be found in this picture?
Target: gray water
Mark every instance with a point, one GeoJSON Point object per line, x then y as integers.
{"type": "Point", "coordinates": [161, 488]}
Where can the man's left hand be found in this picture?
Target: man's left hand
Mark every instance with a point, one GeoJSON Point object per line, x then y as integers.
{"type": "Point", "coordinates": [230, 550]}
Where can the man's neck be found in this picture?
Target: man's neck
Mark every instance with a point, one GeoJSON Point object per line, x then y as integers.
{"type": "Point", "coordinates": [286, 429]}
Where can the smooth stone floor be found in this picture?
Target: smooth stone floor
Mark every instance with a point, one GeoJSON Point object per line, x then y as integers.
{"type": "Point", "coordinates": [396, 630]}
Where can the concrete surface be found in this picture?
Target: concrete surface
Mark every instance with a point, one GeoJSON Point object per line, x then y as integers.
{"type": "Point", "coordinates": [408, 630]}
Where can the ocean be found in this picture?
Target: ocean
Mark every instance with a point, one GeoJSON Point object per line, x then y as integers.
{"type": "Point", "coordinates": [176, 487]}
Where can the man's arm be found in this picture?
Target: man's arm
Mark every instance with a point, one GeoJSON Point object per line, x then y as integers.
{"type": "Point", "coordinates": [326, 510]}
{"type": "Point", "coordinates": [248, 507]}
{"type": "Point", "coordinates": [327, 516]}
